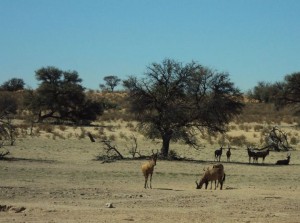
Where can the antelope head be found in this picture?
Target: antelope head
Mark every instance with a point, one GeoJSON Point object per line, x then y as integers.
{"type": "Point", "coordinates": [154, 157]}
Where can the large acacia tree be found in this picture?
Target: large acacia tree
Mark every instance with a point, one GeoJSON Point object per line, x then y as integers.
{"type": "Point", "coordinates": [174, 99]}
{"type": "Point", "coordinates": [61, 96]}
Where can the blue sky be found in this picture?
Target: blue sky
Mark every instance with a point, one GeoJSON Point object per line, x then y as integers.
{"type": "Point", "coordinates": [252, 40]}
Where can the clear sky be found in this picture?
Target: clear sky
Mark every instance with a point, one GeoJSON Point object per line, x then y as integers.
{"type": "Point", "coordinates": [252, 40]}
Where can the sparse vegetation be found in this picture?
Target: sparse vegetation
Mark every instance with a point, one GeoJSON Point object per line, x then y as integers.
{"type": "Point", "coordinates": [117, 124]}
{"type": "Point", "coordinates": [237, 140]}
{"type": "Point", "coordinates": [173, 100]}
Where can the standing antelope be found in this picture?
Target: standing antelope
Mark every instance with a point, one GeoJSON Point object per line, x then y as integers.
{"type": "Point", "coordinates": [260, 154]}
{"type": "Point", "coordinates": [228, 154]}
{"type": "Point", "coordinates": [218, 153]}
{"type": "Point", "coordinates": [147, 169]}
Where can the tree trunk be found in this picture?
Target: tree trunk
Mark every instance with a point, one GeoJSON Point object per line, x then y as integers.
{"type": "Point", "coordinates": [166, 137]}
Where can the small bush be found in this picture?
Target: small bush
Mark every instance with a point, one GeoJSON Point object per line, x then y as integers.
{"type": "Point", "coordinates": [57, 134]}
{"type": "Point", "coordinates": [62, 128]}
{"type": "Point", "coordinates": [130, 125]}
{"type": "Point", "coordinates": [69, 135]}
{"type": "Point", "coordinates": [112, 138]}
{"type": "Point", "coordinates": [233, 127]}
{"type": "Point", "coordinates": [258, 128]}
{"type": "Point", "coordinates": [237, 140]}
{"type": "Point", "coordinates": [47, 128]}
{"type": "Point", "coordinates": [101, 131]}
{"type": "Point", "coordinates": [242, 127]}
{"type": "Point", "coordinates": [123, 136]}
{"type": "Point", "coordinates": [82, 134]}
{"type": "Point", "coordinates": [172, 155]}
{"type": "Point", "coordinates": [293, 140]}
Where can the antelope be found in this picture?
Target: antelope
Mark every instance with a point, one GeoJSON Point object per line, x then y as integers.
{"type": "Point", "coordinates": [218, 153]}
{"type": "Point", "coordinates": [257, 153]}
{"type": "Point", "coordinates": [250, 153]}
{"type": "Point", "coordinates": [284, 162]}
{"type": "Point", "coordinates": [148, 168]}
{"type": "Point", "coordinates": [261, 154]}
{"type": "Point", "coordinates": [213, 174]}
{"type": "Point", "coordinates": [228, 154]}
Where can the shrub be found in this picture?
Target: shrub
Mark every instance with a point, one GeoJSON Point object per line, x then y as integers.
{"type": "Point", "coordinates": [130, 125]}
{"type": "Point", "coordinates": [233, 127]}
{"type": "Point", "coordinates": [62, 127]}
{"type": "Point", "coordinates": [47, 128]}
{"type": "Point", "coordinates": [112, 137]}
{"type": "Point", "coordinates": [82, 134]}
{"type": "Point", "coordinates": [293, 140]}
{"type": "Point", "coordinates": [123, 136]}
{"type": "Point", "coordinates": [173, 155]}
{"type": "Point", "coordinates": [257, 128]}
{"type": "Point", "coordinates": [237, 140]}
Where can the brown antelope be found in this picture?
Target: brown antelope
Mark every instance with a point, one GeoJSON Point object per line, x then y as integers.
{"type": "Point", "coordinates": [148, 168]}
{"type": "Point", "coordinates": [212, 174]}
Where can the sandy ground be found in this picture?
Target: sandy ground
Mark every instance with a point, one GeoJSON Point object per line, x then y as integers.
{"type": "Point", "coordinates": [59, 181]}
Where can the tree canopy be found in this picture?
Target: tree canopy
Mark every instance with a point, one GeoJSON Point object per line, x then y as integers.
{"type": "Point", "coordinates": [265, 92]}
{"type": "Point", "coordinates": [110, 82]}
{"type": "Point", "coordinates": [61, 96]}
{"type": "Point", "coordinates": [173, 99]}
{"type": "Point", "coordinates": [289, 92]}
{"type": "Point", "coordinates": [14, 84]}
{"type": "Point", "coordinates": [8, 103]}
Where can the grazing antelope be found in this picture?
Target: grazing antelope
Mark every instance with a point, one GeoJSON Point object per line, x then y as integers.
{"type": "Point", "coordinates": [212, 174]}
{"type": "Point", "coordinates": [284, 162]}
{"type": "Point", "coordinates": [148, 168]}
{"type": "Point", "coordinates": [218, 154]}
{"type": "Point", "coordinates": [228, 154]}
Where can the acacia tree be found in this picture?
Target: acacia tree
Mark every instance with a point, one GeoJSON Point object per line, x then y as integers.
{"type": "Point", "coordinates": [8, 108]}
{"type": "Point", "coordinates": [111, 82]}
{"type": "Point", "coordinates": [13, 84]}
{"type": "Point", "coordinates": [289, 92]}
{"type": "Point", "coordinates": [264, 92]}
{"type": "Point", "coordinates": [61, 96]}
{"type": "Point", "coordinates": [175, 99]}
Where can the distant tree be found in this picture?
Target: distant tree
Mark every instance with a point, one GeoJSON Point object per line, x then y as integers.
{"type": "Point", "coordinates": [61, 96]}
{"type": "Point", "coordinates": [8, 107]}
{"type": "Point", "coordinates": [8, 103]}
{"type": "Point", "coordinates": [13, 84]}
{"type": "Point", "coordinates": [103, 87]}
{"type": "Point", "coordinates": [263, 92]}
{"type": "Point", "coordinates": [174, 99]}
{"type": "Point", "coordinates": [111, 82]}
{"type": "Point", "coordinates": [289, 92]}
